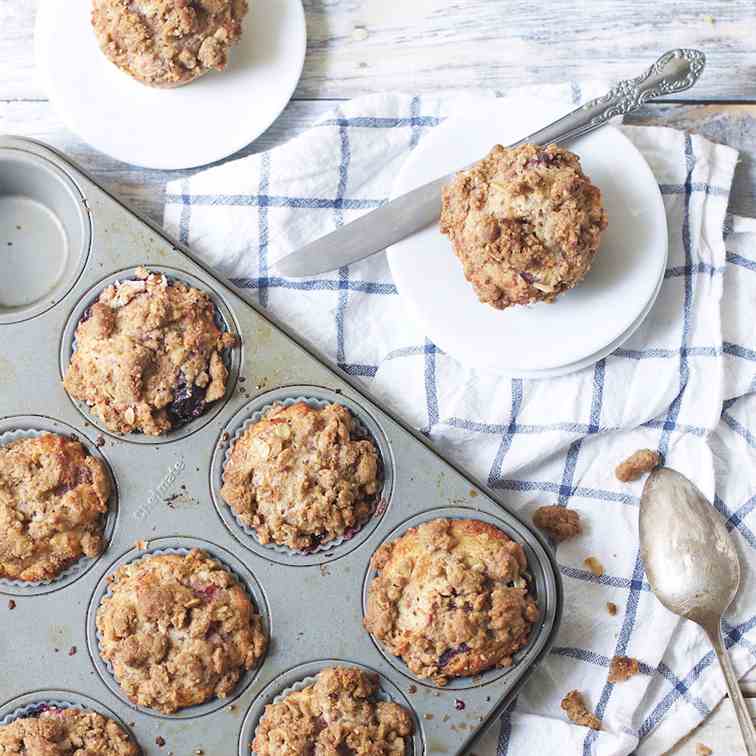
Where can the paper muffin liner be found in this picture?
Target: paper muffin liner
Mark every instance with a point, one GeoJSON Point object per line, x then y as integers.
{"type": "Point", "coordinates": [222, 320]}
{"type": "Point", "coordinates": [182, 551]}
{"type": "Point", "coordinates": [359, 431]}
{"type": "Point", "coordinates": [83, 563]}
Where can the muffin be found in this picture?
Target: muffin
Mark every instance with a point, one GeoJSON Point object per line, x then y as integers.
{"type": "Point", "coordinates": [149, 355]}
{"type": "Point", "coordinates": [167, 43]}
{"type": "Point", "coordinates": [66, 732]}
{"type": "Point", "coordinates": [300, 477]}
{"type": "Point", "coordinates": [450, 599]}
{"type": "Point", "coordinates": [53, 500]}
{"type": "Point", "coordinates": [178, 630]}
{"type": "Point", "coordinates": [525, 222]}
{"type": "Point", "coordinates": [339, 713]}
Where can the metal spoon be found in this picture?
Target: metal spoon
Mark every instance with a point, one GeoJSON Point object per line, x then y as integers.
{"type": "Point", "coordinates": [692, 567]}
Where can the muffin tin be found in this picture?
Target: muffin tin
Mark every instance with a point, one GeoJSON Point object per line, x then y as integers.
{"type": "Point", "coordinates": [63, 235]}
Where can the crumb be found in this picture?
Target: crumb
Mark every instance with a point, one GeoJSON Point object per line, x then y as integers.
{"type": "Point", "coordinates": [11, 604]}
{"type": "Point", "coordinates": [99, 441]}
{"type": "Point", "coordinates": [160, 740]}
{"type": "Point", "coordinates": [428, 716]}
{"type": "Point", "coordinates": [560, 523]}
{"type": "Point", "coordinates": [72, 651]}
{"type": "Point", "coordinates": [594, 566]}
{"type": "Point", "coordinates": [413, 689]}
{"type": "Point", "coordinates": [622, 668]}
{"type": "Point", "coordinates": [637, 464]}
{"type": "Point", "coordinates": [459, 704]}
{"type": "Point", "coordinates": [473, 493]}
{"type": "Point", "coordinates": [141, 545]}
{"type": "Point", "coordinates": [611, 607]}
{"type": "Point", "coordinates": [703, 750]}
{"type": "Point", "coordinates": [574, 705]}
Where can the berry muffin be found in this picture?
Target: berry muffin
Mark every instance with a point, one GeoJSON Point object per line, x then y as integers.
{"type": "Point", "coordinates": [167, 43]}
{"type": "Point", "coordinates": [450, 599]}
{"type": "Point", "coordinates": [178, 630]}
{"type": "Point", "coordinates": [53, 501]}
{"type": "Point", "coordinates": [149, 355]}
{"type": "Point", "coordinates": [525, 222]}
{"type": "Point", "coordinates": [300, 477]}
{"type": "Point", "coordinates": [339, 713]}
{"type": "Point", "coordinates": [65, 732]}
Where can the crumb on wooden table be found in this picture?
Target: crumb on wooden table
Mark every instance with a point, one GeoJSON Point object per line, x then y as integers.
{"type": "Point", "coordinates": [611, 607]}
{"type": "Point", "coordinates": [594, 566]}
{"type": "Point", "coordinates": [637, 464]}
{"type": "Point", "coordinates": [577, 711]}
{"type": "Point", "coordinates": [622, 668]}
{"type": "Point", "coordinates": [560, 523]}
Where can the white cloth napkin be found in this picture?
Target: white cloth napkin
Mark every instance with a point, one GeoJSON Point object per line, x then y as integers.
{"type": "Point", "coordinates": [684, 384]}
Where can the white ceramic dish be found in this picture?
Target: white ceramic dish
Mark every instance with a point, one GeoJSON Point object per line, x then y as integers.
{"type": "Point", "coordinates": [543, 339]}
{"type": "Point", "coordinates": [194, 125]}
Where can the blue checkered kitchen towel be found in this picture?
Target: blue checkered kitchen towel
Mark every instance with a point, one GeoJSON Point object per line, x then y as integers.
{"type": "Point", "coordinates": [684, 384]}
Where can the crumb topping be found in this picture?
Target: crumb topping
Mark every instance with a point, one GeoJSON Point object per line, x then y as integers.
{"type": "Point", "coordinates": [53, 498]}
{"type": "Point", "coordinates": [637, 465]}
{"type": "Point", "coordinates": [450, 598]}
{"type": "Point", "coordinates": [622, 668]}
{"type": "Point", "coordinates": [560, 523]}
{"type": "Point", "coordinates": [574, 704]}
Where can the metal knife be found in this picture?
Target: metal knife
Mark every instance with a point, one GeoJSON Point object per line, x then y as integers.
{"type": "Point", "coordinates": [676, 71]}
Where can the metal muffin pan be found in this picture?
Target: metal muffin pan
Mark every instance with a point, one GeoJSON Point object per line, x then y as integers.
{"type": "Point", "coordinates": [167, 494]}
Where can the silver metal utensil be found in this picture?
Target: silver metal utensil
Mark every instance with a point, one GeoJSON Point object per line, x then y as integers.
{"type": "Point", "coordinates": [692, 567]}
{"type": "Point", "coordinates": [675, 71]}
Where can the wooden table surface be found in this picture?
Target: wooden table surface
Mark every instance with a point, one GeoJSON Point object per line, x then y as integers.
{"type": "Point", "coordinates": [359, 47]}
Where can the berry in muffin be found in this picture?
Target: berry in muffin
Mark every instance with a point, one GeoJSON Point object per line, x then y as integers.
{"type": "Point", "coordinates": [178, 630]}
{"type": "Point", "coordinates": [525, 222]}
{"type": "Point", "coordinates": [450, 599]}
{"type": "Point", "coordinates": [168, 43]}
{"type": "Point", "coordinates": [338, 714]}
{"type": "Point", "coordinates": [300, 476]}
{"type": "Point", "coordinates": [149, 355]}
{"type": "Point", "coordinates": [53, 502]}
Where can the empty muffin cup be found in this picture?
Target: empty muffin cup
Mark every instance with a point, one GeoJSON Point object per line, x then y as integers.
{"type": "Point", "coordinates": [45, 234]}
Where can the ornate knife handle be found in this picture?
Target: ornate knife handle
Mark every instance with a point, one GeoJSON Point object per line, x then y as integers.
{"type": "Point", "coordinates": [675, 71]}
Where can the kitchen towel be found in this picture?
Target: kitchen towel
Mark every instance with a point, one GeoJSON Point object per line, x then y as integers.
{"type": "Point", "coordinates": [684, 383]}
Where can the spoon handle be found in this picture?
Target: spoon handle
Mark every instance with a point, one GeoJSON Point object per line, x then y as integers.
{"type": "Point", "coordinates": [741, 709]}
{"type": "Point", "coordinates": [676, 71]}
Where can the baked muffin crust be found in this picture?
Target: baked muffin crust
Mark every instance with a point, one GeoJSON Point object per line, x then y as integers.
{"type": "Point", "coordinates": [178, 630]}
{"type": "Point", "coordinates": [53, 498]}
{"type": "Point", "coordinates": [300, 477]}
{"type": "Point", "coordinates": [525, 222]}
{"type": "Point", "coordinates": [65, 732]}
{"type": "Point", "coordinates": [450, 598]}
{"type": "Point", "coordinates": [338, 714]}
{"type": "Point", "coordinates": [167, 43]}
{"type": "Point", "coordinates": [149, 355]}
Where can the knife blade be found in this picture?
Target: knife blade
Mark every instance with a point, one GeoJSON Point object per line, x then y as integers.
{"type": "Point", "coordinates": [675, 71]}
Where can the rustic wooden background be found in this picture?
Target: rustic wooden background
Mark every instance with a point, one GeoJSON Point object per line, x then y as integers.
{"type": "Point", "coordinates": [359, 47]}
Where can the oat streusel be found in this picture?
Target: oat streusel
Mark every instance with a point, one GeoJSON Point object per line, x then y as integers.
{"type": "Point", "coordinates": [53, 501]}
{"type": "Point", "coordinates": [178, 630]}
{"type": "Point", "coordinates": [167, 43]}
{"type": "Point", "coordinates": [65, 732]}
{"type": "Point", "coordinates": [622, 668]}
{"type": "Point", "coordinates": [574, 704]}
{"type": "Point", "coordinates": [525, 222]}
{"type": "Point", "coordinates": [637, 465]}
{"type": "Point", "coordinates": [338, 714]}
{"type": "Point", "coordinates": [560, 523]}
{"type": "Point", "coordinates": [300, 477]}
{"type": "Point", "coordinates": [450, 598]}
{"type": "Point", "coordinates": [149, 355]}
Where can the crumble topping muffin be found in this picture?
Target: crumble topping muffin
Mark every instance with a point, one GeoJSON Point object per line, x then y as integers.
{"type": "Point", "coordinates": [338, 714]}
{"type": "Point", "coordinates": [53, 498]}
{"type": "Point", "coordinates": [450, 598]}
{"type": "Point", "coordinates": [637, 465]}
{"type": "Point", "coordinates": [525, 222]}
{"type": "Point", "coordinates": [167, 43]}
{"type": "Point", "coordinates": [178, 630]}
{"type": "Point", "coordinates": [65, 732]}
{"type": "Point", "coordinates": [574, 704]}
{"type": "Point", "coordinates": [560, 523]}
{"type": "Point", "coordinates": [149, 355]}
{"type": "Point", "coordinates": [622, 668]}
{"type": "Point", "coordinates": [300, 478]}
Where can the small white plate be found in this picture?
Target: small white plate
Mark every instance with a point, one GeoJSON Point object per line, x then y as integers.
{"type": "Point", "coordinates": [578, 328]}
{"type": "Point", "coordinates": [194, 125]}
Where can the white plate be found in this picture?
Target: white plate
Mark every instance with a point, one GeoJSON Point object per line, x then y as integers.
{"type": "Point", "coordinates": [193, 125]}
{"type": "Point", "coordinates": [584, 322]}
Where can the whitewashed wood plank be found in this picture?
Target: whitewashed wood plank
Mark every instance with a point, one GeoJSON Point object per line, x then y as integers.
{"type": "Point", "coordinates": [720, 732]}
{"type": "Point", "coordinates": [361, 46]}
